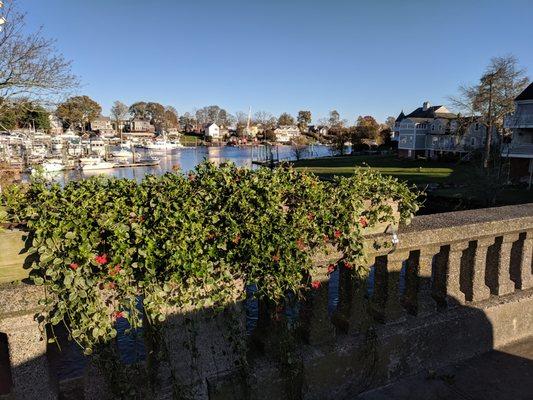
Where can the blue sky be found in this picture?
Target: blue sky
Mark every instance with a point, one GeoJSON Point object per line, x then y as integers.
{"type": "Point", "coordinates": [359, 57]}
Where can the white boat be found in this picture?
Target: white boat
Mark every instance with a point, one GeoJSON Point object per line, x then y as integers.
{"type": "Point", "coordinates": [49, 166]}
{"type": "Point", "coordinates": [149, 160]}
{"type": "Point", "coordinates": [57, 144]}
{"type": "Point", "coordinates": [161, 145]}
{"type": "Point", "coordinates": [90, 160]}
{"type": "Point", "coordinates": [123, 152]}
{"type": "Point", "coordinates": [96, 166]}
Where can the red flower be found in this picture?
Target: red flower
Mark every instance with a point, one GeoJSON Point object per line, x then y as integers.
{"type": "Point", "coordinates": [310, 216]}
{"type": "Point", "coordinates": [275, 258]}
{"type": "Point", "coordinates": [118, 314]}
{"type": "Point", "coordinates": [363, 221]}
{"type": "Point", "coordinates": [337, 234]}
{"type": "Point", "coordinates": [347, 265]}
{"type": "Point", "coordinates": [331, 268]}
{"type": "Point", "coordinates": [315, 284]}
{"type": "Point", "coordinates": [73, 266]}
{"type": "Point", "coordinates": [101, 259]}
{"type": "Point", "coordinates": [300, 244]}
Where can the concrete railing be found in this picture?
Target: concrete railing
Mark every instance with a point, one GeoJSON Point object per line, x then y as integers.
{"type": "Point", "coordinates": [455, 285]}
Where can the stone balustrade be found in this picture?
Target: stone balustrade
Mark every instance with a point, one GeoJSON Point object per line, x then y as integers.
{"type": "Point", "coordinates": [455, 285]}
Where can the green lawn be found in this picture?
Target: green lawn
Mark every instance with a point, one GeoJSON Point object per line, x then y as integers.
{"type": "Point", "coordinates": [414, 171]}
{"type": "Point", "coordinates": [465, 181]}
{"type": "Point", "coordinates": [190, 140]}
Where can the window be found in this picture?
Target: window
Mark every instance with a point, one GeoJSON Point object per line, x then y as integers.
{"type": "Point", "coordinates": [473, 142]}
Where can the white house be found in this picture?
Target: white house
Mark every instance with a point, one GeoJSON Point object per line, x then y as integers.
{"type": "Point", "coordinates": [520, 150]}
{"type": "Point", "coordinates": [56, 126]}
{"type": "Point", "coordinates": [212, 131]}
{"type": "Point", "coordinates": [286, 133]}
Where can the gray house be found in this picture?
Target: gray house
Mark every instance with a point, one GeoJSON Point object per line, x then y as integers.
{"type": "Point", "coordinates": [520, 150]}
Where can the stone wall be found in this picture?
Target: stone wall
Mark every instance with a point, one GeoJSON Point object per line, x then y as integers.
{"type": "Point", "coordinates": [456, 285]}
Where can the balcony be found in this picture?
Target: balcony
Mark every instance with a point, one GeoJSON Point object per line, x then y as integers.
{"type": "Point", "coordinates": [516, 121]}
{"type": "Point", "coordinates": [518, 150]}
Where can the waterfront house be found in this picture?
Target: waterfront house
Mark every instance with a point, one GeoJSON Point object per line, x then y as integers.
{"type": "Point", "coordinates": [520, 150]}
{"type": "Point", "coordinates": [102, 126]}
{"type": "Point", "coordinates": [212, 131]}
{"type": "Point", "coordinates": [416, 126]}
{"type": "Point", "coordinates": [286, 133]}
{"type": "Point", "coordinates": [56, 125]}
{"type": "Point", "coordinates": [140, 125]}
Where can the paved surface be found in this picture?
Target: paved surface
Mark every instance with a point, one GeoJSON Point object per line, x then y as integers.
{"type": "Point", "coordinates": [506, 374]}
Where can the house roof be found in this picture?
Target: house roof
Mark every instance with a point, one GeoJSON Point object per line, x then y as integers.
{"type": "Point", "coordinates": [527, 94]}
{"type": "Point", "coordinates": [431, 112]}
{"type": "Point", "coordinates": [400, 117]}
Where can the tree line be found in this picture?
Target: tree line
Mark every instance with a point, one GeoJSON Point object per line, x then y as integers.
{"type": "Point", "coordinates": [33, 74]}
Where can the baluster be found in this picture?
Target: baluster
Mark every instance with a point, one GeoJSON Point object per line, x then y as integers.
{"type": "Point", "coordinates": [454, 295]}
{"type": "Point", "coordinates": [320, 328]}
{"type": "Point", "coordinates": [425, 300]}
{"type": "Point", "coordinates": [504, 283]}
{"type": "Point", "coordinates": [393, 308]}
{"type": "Point", "coordinates": [356, 301]}
{"type": "Point", "coordinates": [379, 290]}
{"type": "Point", "coordinates": [526, 277]}
{"type": "Point", "coordinates": [480, 291]}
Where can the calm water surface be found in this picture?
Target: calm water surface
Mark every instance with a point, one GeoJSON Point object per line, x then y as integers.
{"type": "Point", "coordinates": [189, 157]}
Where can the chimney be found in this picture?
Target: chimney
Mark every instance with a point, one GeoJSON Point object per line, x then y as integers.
{"type": "Point", "coordinates": [425, 105]}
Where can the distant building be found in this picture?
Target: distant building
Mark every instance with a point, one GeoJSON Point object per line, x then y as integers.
{"type": "Point", "coordinates": [416, 126]}
{"type": "Point", "coordinates": [212, 131]}
{"type": "Point", "coordinates": [286, 133]}
{"type": "Point", "coordinates": [140, 126]}
{"type": "Point", "coordinates": [321, 130]}
{"type": "Point", "coordinates": [102, 125]}
{"type": "Point", "coordinates": [56, 125]}
{"type": "Point", "coordinates": [520, 150]}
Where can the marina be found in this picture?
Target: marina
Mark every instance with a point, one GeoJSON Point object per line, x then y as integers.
{"type": "Point", "coordinates": [68, 156]}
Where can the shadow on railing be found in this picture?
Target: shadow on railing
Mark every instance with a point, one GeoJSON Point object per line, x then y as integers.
{"type": "Point", "coordinates": [456, 285]}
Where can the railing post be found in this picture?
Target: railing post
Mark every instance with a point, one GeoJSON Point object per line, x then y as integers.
{"type": "Point", "coordinates": [526, 260]}
{"type": "Point", "coordinates": [321, 329]}
{"type": "Point", "coordinates": [504, 283]}
{"type": "Point", "coordinates": [453, 274]}
{"type": "Point", "coordinates": [426, 303]}
{"type": "Point", "coordinates": [393, 308]}
{"type": "Point", "coordinates": [480, 291]}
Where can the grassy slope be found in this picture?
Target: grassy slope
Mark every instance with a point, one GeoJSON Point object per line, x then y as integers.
{"type": "Point", "coordinates": [414, 171]}
{"type": "Point", "coordinates": [473, 184]}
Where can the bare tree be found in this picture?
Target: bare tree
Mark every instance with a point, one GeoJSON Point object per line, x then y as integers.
{"type": "Point", "coordinates": [119, 112]}
{"type": "Point", "coordinates": [493, 97]}
{"type": "Point", "coordinates": [30, 65]}
{"type": "Point", "coordinates": [300, 147]}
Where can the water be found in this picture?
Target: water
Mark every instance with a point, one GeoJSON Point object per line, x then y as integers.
{"type": "Point", "coordinates": [189, 157]}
